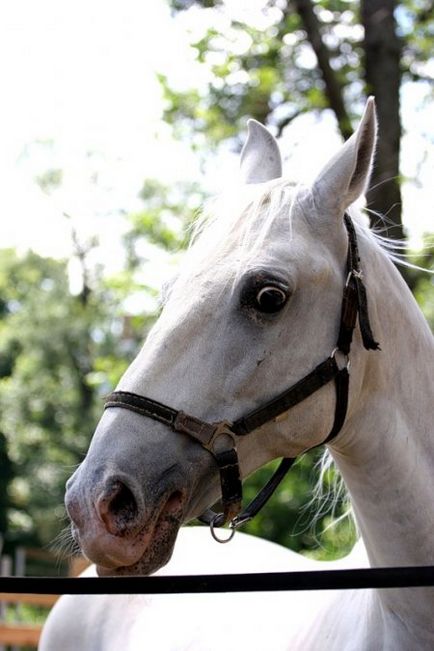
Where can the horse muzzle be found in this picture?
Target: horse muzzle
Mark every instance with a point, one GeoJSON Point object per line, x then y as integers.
{"type": "Point", "coordinates": [117, 530]}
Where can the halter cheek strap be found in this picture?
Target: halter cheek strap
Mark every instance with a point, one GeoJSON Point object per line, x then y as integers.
{"type": "Point", "coordinates": [220, 438]}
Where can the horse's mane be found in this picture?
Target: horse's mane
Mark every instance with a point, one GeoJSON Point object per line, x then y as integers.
{"type": "Point", "coordinates": [242, 215]}
{"type": "Point", "coordinates": [247, 213]}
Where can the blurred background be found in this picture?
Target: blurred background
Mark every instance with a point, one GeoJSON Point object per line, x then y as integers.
{"type": "Point", "coordinates": [117, 120]}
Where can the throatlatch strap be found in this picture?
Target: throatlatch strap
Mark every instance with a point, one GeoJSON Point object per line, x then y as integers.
{"type": "Point", "coordinates": [342, 381]}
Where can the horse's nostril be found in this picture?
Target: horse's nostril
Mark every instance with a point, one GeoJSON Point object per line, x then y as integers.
{"type": "Point", "coordinates": [117, 508]}
{"type": "Point", "coordinates": [124, 503]}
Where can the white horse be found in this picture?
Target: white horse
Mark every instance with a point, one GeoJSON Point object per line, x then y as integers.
{"type": "Point", "coordinates": [254, 309]}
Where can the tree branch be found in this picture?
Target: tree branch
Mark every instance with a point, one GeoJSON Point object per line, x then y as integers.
{"type": "Point", "coordinates": [285, 121]}
{"type": "Point", "coordinates": [81, 252]}
{"type": "Point", "coordinates": [333, 88]}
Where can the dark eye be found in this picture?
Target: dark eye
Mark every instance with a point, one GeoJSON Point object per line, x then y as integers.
{"type": "Point", "coordinates": [270, 299]}
{"type": "Point", "coordinates": [264, 293]}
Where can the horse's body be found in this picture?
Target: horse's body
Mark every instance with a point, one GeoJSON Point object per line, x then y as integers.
{"type": "Point", "coordinates": [215, 354]}
{"type": "Point", "coordinates": [209, 622]}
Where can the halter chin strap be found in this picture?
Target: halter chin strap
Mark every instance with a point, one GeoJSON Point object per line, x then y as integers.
{"type": "Point", "coordinates": [220, 438]}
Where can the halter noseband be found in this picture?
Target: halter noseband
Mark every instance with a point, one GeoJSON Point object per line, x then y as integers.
{"type": "Point", "coordinates": [220, 438]}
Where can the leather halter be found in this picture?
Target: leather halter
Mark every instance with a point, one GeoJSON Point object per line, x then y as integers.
{"type": "Point", "coordinates": [220, 438]}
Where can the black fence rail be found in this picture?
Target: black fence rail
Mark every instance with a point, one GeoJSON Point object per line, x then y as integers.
{"type": "Point", "coordinates": [386, 577]}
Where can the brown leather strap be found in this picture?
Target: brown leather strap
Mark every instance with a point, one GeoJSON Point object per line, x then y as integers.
{"type": "Point", "coordinates": [217, 438]}
{"type": "Point", "coordinates": [355, 302]}
{"type": "Point", "coordinates": [179, 421]}
{"type": "Point", "coordinates": [143, 406]}
{"type": "Point", "coordinates": [217, 519]}
{"type": "Point", "coordinates": [342, 382]}
{"type": "Point", "coordinates": [321, 375]}
{"type": "Point", "coordinates": [230, 482]}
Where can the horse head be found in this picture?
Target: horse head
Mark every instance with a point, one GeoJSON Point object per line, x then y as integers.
{"type": "Point", "coordinates": [254, 308]}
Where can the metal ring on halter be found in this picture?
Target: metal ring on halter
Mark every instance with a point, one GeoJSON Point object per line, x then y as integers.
{"type": "Point", "coordinates": [214, 535]}
{"type": "Point", "coordinates": [346, 359]}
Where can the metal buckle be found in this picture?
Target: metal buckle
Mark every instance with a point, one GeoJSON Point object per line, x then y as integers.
{"type": "Point", "coordinates": [239, 520]}
{"type": "Point", "coordinates": [223, 428]}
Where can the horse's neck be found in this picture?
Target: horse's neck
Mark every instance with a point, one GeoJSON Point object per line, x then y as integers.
{"type": "Point", "coordinates": [386, 451]}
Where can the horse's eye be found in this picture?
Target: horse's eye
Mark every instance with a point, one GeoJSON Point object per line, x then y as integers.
{"type": "Point", "coordinates": [270, 299]}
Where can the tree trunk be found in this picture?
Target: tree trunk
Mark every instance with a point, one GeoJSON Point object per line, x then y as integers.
{"type": "Point", "coordinates": [382, 49]}
{"type": "Point", "coordinates": [6, 475]}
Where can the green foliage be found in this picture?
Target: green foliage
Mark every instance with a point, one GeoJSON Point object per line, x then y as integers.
{"type": "Point", "coordinates": [44, 336]}
{"type": "Point", "coordinates": [61, 352]}
{"type": "Point", "coordinates": [260, 65]}
{"type": "Point", "coordinates": [34, 615]}
{"type": "Point", "coordinates": [416, 25]}
{"type": "Point", "coordinates": [164, 218]}
{"type": "Point", "coordinates": [50, 180]}
{"type": "Point", "coordinates": [423, 283]}
{"type": "Point", "coordinates": [424, 294]}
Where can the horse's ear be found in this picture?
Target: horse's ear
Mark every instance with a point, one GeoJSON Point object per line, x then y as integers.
{"type": "Point", "coordinates": [260, 157]}
{"type": "Point", "coordinates": [346, 175]}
